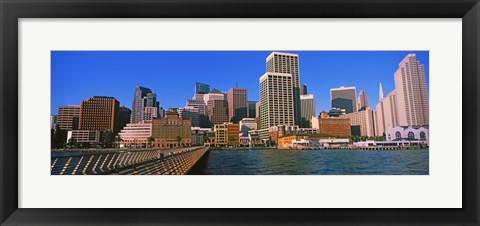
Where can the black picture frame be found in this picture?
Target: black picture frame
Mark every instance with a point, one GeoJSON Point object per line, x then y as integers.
{"type": "Point", "coordinates": [12, 10]}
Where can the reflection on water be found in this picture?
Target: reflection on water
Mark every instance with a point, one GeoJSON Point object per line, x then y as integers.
{"type": "Point", "coordinates": [317, 162]}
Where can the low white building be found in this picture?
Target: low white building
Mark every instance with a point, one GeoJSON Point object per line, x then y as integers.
{"type": "Point", "coordinates": [408, 133]}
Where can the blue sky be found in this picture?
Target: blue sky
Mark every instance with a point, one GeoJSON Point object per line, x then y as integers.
{"type": "Point", "coordinates": [78, 75]}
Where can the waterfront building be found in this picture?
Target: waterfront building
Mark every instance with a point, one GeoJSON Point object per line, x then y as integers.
{"type": "Point", "coordinates": [237, 104]}
{"type": "Point", "coordinates": [363, 119]}
{"type": "Point", "coordinates": [281, 130]}
{"type": "Point", "coordinates": [287, 63]}
{"type": "Point", "coordinates": [247, 124]}
{"type": "Point", "coordinates": [262, 134]}
{"type": "Point", "coordinates": [333, 126]}
{"type": "Point", "coordinates": [190, 113]}
{"type": "Point", "coordinates": [411, 92]}
{"type": "Point", "coordinates": [84, 138]}
{"type": "Point", "coordinates": [171, 131]}
{"type": "Point", "coordinates": [285, 142]}
{"type": "Point", "coordinates": [217, 111]}
{"type": "Point", "coordinates": [68, 117]}
{"type": "Point", "coordinates": [201, 88]}
{"type": "Point", "coordinates": [226, 134]}
{"type": "Point", "coordinates": [99, 113]}
{"type": "Point", "coordinates": [362, 101]}
{"type": "Point", "coordinates": [245, 140]}
{"type": "Point", "coordinates": [138, 103]}
{"type": "Point", "coordinates": [202, 111]}
{"type": "Point", "coordinates": [307, 103]}
{"type": "Point", "coordinates": [344, 98]}
{"type": "Point", "coordinates": [386, 113]}
{"type": "Point", "coordinates": [199, 135]}
{"type": "Point", "coordinates": [136, 135]}
{"type": "Point", "coordinates": [252, 109]}
{"type": "Point", "coordinates": [303, 89]}
{"type": "Point", "coordinates": [408, 133]}
{"type": "Point", "coordinates": [334, 143]}
{"type": "Point", "coordinates": [276, 100]}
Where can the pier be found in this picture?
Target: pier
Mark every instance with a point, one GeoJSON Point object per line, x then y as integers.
{"type": "Point", "coordinates": [129, 162]}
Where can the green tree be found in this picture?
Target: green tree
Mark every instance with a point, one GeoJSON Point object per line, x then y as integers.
{"type": "Point", "coordinates": [179, 139]}
{"type": "Point", "coordinates": [150, 140]}
{"type": "Point", "coordinates": [117, 140]}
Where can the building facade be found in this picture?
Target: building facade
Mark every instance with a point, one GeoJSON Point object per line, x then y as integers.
{"type": "Point", "coordinates": [287, 63]}
{"type": "Point", "coordinates": [362, 102]}
{"type": "Point", "coordinates": [252, 109]}
{"type": "Point", "coordinates": [226, 134]}
{"type": "Point", "coordinates": [99, 113]}
{"type": "Point", "coordinates": [303, 89]}
{"type": "Point", "coordinates": [199, 135]}
{"type": "Point", "coordinates": [409, 133]}
{"type": "Point", "coordinates": [333, 126]}
{"type": "Point", "coordinates": [68, 116]}
{"type": "Point", "coordinates": [411, 91]}
{"type": "Point", "coordinates": [237, 104]}
{"type": "Point", "coordinates": [363, 119]}
{"type": "Point", "coordinates": [247, 124]}
{"type": "Point", "coordinates": [217, 111]}
{"type": "Point", "coordinates": [171, 131]}
{"type": "Point", "coordinates": [84, 138]}
{"type": "Point", "coordinates": [386, 113]}
{"type": "Point", "coordinates": [192, 113]}
{"type": "Point", "coordinates": [344, 98]}
{"type": "Point", "coordinates": [276, 100]}
{"type": "Point", "coordinates": [137, 104]}
{"type": "Point", "coordinates": [201, 88]}
{"type": "Point", "coordinates": [136, 135]}
{"type": "Point", "coordinates": [202, 111]}
{"type": "Point", "coordinates": [307, 103]}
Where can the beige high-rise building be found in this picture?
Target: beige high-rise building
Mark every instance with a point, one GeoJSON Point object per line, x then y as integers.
{"type": "Point", "coordinates": [307, 103]}
{"type": "Point", "coordinates": [364, 119]}
{"type": "Point", "coordinates": [386, 113]}
{"type": "Point", "coordinates": [276, 100]}
{"type": "Point", "coordinates": [68, 117]}
{"type": "Point", "coordinates": [362, 101]}
{"type": "Point", "coordinates": [411, 91]}
{"type": "Point", "coordinates": [287, 63]}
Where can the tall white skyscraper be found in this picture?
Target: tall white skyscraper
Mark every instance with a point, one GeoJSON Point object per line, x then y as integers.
{"type": "Point", "coordinates": [386, 114]}
{"type": "Point", "coordinates": [307, 103]}
{"type": "Point", "coordinates": [276, 100]}
{"type": "Point", "coordinates": [411, 91]}
{"type": "Point", "coordinates": [287, 63]}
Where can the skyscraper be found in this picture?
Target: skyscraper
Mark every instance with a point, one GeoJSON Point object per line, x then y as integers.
{"type": "Point", "coordinates": [215, 94]}
{"type": "Point", "coordinates": [276, 100]}
{"type": "Point", "coordinates": [67, 115]}
{"type": "Point", "coordinates": [202, 111]}
{"type": "Point", "coordinates": [237, 104]}
{"type": "Point", "coordinates": [307, 103]}
{"type": "Point", "coordinates": [363, 119]}
{"type": "Point", "coordinates": [217, 111]}
{"type": "Point", "coordinates": [303, 89]}
{"type": "Point", "coordinates": [137, 104]}
{"type": "Point", "coordinates": [411, 91]}
{"type": "Point", "coordinates": [189, 112]}
{"type": "Point", "coordinates": [99, 113]}
{"type": "Point", "coordinates": [287, 63]}
{"type": "Point", "coordinates": [386, 113]}
{"type": "Point", "coordinates": [362, 100]}
{"type": "Point", "coordinates": [124, 115]}
{"type": "Point", "coordinates": [201, 88]}
{"type": "Point", "coordinates": [150, 106]}
{"type": "Point", "coordinates": [344, 98]}
{"type": "Point", "coordinates": [252, 109]}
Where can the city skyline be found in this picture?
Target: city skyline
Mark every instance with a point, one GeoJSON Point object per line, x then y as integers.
{"type": "Point", "coordinates": [362, 69]}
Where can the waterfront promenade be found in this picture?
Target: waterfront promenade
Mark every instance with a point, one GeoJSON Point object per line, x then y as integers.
{"type": "Point", "coordinates": [126, 162]}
